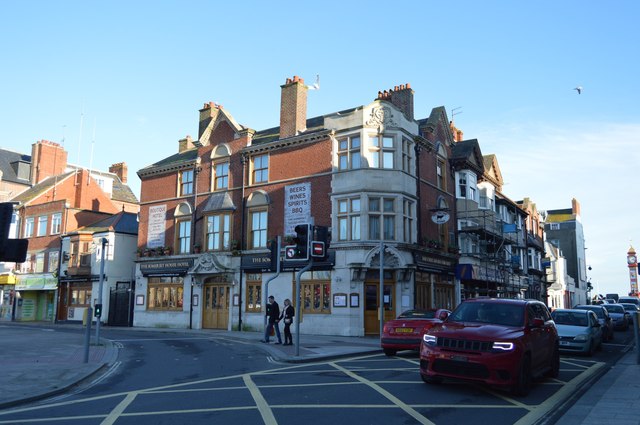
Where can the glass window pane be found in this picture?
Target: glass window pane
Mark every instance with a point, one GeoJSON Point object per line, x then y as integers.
{"type": "Point", "coordinates": [387, 142]}
{"type": "Point", "coordinates": [355, 205]}
{"type": "Point", "coordinates": [387, 158]}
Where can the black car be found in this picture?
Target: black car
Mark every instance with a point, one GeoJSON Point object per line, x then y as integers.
{"type": "Point", "coordinates": [603, 317]}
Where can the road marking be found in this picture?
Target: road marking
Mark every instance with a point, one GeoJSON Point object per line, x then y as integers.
{"type": "Point", "coordinates": [117, 411]}
{"type": "Point", "coordinates": [395, 400]}
{"type": "Point", "coordinates": [263, 406]}
{"type": "Point", "coordinates": [562, 395]}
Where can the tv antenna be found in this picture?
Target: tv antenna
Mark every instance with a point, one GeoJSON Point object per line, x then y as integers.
{"type": "Point", "coordinates": [456, 111]}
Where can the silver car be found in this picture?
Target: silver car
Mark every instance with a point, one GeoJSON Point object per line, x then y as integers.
{"type": "Point", "coordinates": [579, 330]}
{"type": "Point", "coordinates": [618, 315]}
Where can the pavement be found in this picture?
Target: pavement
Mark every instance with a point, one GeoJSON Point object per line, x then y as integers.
{"type": "Point", "coordinates": [40, 360]}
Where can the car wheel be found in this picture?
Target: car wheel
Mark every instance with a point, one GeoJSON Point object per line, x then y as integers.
{"type": "Point", "coordinates": [524, 379]}
{"type": "Point", "coordinates": [431, 379]}
{"type": "Point", "coordinates": [389, 352]}
{"type": "Point", "coordinates": [554, 372]}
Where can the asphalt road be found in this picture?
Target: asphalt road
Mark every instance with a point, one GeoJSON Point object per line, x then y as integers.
{"type": "Point", "coordinates": [164, 379]}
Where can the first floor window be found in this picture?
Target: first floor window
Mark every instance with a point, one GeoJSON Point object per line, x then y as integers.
{"type": "Point", "coordinates": [258, 231]}
{"type": "Point", "coordinates": [56, 223]}
{"type": "Point", "coordinates": [42, 226]}
{"type": "Point", "coordinates": [184, 236]}
{"type": "Point", "coordinates": [382, 219]}
{"type": "Point", "coordinates": [254, 292]}
{"type": "Point", "coordinates": [54, 260]}
{"type": "Point", "coordinates": [316, 292]}
{"type": "Point", "coordinates": [165, 293]}
{"type": "Point", "coordinates": [218, 232]}
{"type": "Point", "coordinates": [39, 262]}
{"type": "Point", "coordinates": [28, 227]}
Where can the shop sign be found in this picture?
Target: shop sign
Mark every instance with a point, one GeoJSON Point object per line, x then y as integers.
{"type": "Point", "coordinates": [170, 267]}
{"type": "Point", "coordinates": [36, 282]}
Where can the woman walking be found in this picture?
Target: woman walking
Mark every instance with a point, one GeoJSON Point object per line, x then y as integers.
{"type": "Point", "coordinates": [287, 317]}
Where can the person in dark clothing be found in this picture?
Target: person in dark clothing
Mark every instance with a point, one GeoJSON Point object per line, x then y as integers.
{"type": "Point", "coordinates": [273, 317]}
{"type": "Point", "coordinates": [287, 317]}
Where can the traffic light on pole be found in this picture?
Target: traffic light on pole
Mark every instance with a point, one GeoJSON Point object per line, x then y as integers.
{"type": "Point", "coordinates": [11, 250]}
{"type": "Point", "coordinates": [299, 251]}
{"type": "Point", "coordinates": [320, 242]}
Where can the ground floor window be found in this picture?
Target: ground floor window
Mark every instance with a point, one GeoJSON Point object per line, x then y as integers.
{"type": "Point", "coordinates": [254, 293]}
{"type": "Point", "coordinates": [315, 287]}
{"type": "Point", "coordinates": [165, 293]}
{"type": "Point", "coordinates": [80, 296]}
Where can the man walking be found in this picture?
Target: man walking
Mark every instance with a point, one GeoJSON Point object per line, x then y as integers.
{"type": "Point", "coordinates": [273, 317]}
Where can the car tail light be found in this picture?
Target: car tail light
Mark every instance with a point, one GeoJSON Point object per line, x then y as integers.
{"type": "Point", "coordinates": [387, 328]}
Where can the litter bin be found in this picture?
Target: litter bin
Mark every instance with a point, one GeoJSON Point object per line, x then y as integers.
{"type": "Point", "coordinates": [84, 316]}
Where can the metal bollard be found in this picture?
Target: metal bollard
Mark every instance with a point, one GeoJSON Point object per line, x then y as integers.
{"type": "Point", "coordinates": [636, 333]}
{"type": "Point", "coordinates": [87, 336]}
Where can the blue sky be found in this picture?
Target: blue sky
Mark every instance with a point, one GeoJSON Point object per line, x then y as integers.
{"type": "Point", "coordinates": [138, 71]}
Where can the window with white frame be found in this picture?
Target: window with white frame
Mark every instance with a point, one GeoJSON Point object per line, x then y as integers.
{"type": "Point", "coordinates": [552, 226]}
{"type": "Point", "coordinates": [260, 168]}
{"type": "Point", "coordinates": [381, 151]}
{"type": "Point", "coordinates": [56, 223]}
{"type": "Point", "coordinates": [54, 261]}
{"type": "Point", "coordinates": [42, 226]}
{"type": "Point", "coordinates": [184, 235]}
{"type": "Point", "coordinates": [221, 176]}
{"type": "Point", "coordinates": [218, 232]}
{"type": "Point", "coordinates": [408, 207]}
{"type": "Point", "coordinates": [39, 262]}
{"type": "Point", "coordinates": [349, 155]}
{"type": "Point", "coordinates": [382, 218]}
{"type": "Point", "coordinates": [28, 227]}
{"type": "Point", "coordinates": [186, 182]}
{"type": "Point", "coordinates": [467, 186]}
{"type": "Point", "coordinates": [349, 219]}
{"type": "Point", "coordinates": [258, 230]}
{"type": "Point", "coordinates": [407, 155]}
{"type": "Point", "coordinates": [440, 175]}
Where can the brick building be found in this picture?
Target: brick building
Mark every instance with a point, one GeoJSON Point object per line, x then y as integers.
{"type": "Point", "coordinates": [61, 198]}
{"type": "Point", "coordinates": [379, 178]}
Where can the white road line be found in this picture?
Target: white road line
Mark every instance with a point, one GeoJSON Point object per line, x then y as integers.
{"type": "Point", "coordinates": [263, 406]}
{"type": "Point", "coordinates": [409, 410]}
{"type": "Point", "coordinates": [117, 411]}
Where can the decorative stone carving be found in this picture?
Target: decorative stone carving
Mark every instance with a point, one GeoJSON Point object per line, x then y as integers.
{"type": "Point", "coordinates": [381, 116]}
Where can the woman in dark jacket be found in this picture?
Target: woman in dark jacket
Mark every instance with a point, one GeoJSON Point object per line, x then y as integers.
{"type": "Point", "coordinates": [287, 317]}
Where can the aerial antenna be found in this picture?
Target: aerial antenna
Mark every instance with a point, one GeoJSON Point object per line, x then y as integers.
{"type": "Point", "coordinates": [455, 111]}
{"type": "Point", "coordinates": [80, 139]}
{"type": "Point", "coordinates": [316, 85]}
{"type": "Point", "coordinates": [93, 142]}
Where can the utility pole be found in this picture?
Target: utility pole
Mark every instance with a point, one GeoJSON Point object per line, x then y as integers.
{"type": "Point", "coordinates": [99, 303]}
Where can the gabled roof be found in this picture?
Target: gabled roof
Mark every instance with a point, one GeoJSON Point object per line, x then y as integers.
{"type": "Point", "coordinates": [7, 159]}
{"type": "Point", "coordinates": [492, 171]}
{"type": "Point", "coordinates": [123, 222]}
{"type": "Point", "coordinates": [467, 154]}
{"type": "Point", "coordinates": [35, 191]}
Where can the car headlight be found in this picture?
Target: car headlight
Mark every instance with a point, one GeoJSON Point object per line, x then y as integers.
{"type": "Point", "coordinates": [429, 339]}
{"type": "Point", "coordinates": [502, 346]}
{"type": "Point", "coordinates": [580, 338]}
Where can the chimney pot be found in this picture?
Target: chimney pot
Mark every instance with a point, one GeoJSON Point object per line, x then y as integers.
{"type": "Point", "coordinates": [395, 88]}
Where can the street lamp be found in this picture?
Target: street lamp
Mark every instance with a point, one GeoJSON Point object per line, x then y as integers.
{"type": "Point", "coordinates": [99, 304]}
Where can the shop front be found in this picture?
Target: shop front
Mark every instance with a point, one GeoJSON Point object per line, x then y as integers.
{"type": "Point", "coordinates": [7, 295]}
{"type": "Point", "coordinates": [35, 297]}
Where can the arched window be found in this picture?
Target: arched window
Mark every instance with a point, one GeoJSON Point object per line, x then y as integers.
{"type": "Point", "coordinates": [220, 167]}
{"type": "Point", "coordinates": [258, 218]}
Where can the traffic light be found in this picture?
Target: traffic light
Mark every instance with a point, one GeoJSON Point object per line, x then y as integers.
{"type": "Point", "coordinates": [299, 251]}
{"type": "Point", "coordinates": [11, 250]}
{"type": "Point", "coordinates": [320, 242]}
{"type": "Point", "coordinates": [98, 310]}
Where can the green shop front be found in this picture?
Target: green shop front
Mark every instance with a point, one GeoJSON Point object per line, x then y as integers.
{"type": "Point", "coordinates": [35, 296]}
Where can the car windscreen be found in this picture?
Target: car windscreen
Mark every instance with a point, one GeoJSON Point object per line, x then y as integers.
{"type": "Point", "coordinates": [599, 311]}
{"type": "Point", "coordinates": [612, 308]}
{"type": "Point", "coordinates": [418, 314]}
{"type": "Point", "coordinates": [570, 318]}
{"type": "Point", "coordinates": [490, 312]}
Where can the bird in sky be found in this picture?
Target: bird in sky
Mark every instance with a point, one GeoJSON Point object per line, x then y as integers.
{"type": "Point", "coordinates": [579, 89]}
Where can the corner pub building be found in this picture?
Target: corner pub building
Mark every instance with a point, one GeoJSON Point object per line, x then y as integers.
{"type": "Point", "coordinates": [374, 174]}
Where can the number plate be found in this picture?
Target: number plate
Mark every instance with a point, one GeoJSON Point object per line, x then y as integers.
{"type": "Point", "coordinates": [404, 330]}
{"type": "Point", "coordinates": [460, 358]}
{"type": "Point", "coordinates": [564, 342]}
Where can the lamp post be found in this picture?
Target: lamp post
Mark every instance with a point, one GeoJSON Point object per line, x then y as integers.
{"type": "Point", "coordinates": [196, 170]}
{"type": "Point", "coordinates": [98, 316]}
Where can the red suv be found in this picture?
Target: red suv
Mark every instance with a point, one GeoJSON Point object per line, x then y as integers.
{"type": "Point", "coordinates": [500, 342]}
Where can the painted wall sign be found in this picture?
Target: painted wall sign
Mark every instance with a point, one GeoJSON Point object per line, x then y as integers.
{"type": "Point", "coordinates": [155, 228]}
{"type": "Point", "coordinates": [297, 206]}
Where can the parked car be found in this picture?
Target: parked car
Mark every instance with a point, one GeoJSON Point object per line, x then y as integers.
{"type": "Point", "coordinates": [618, 315]}
{"type": "Point", "coordinates": [405, 332]}
{"type": "Point", "coordinates": [629, 300]}
{"type": "Point", "coordinates": [630, 309]}
{"type": "Point", "coordinates": [500, 342]}
{"type": "Point", "coordinates": [603, 317]}
{"type": "Point", "coordinates": [579, 330]}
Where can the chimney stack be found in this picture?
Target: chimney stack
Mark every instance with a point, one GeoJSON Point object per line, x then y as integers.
{"type": "Point", "coordinates": [47, 159]}
{"type": "Point", "coordinates": [120, 169]}
{"type": "Point", "coordinates": [400, 96]}
{"type": "Point", "coordinates": [208, 112]}
{"type": "Point", "coordinates": [293, 107]}
{"type": "Point", "coordinates": [458, 135]}
{"type": "Point", "coordinates": [185, 144]}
